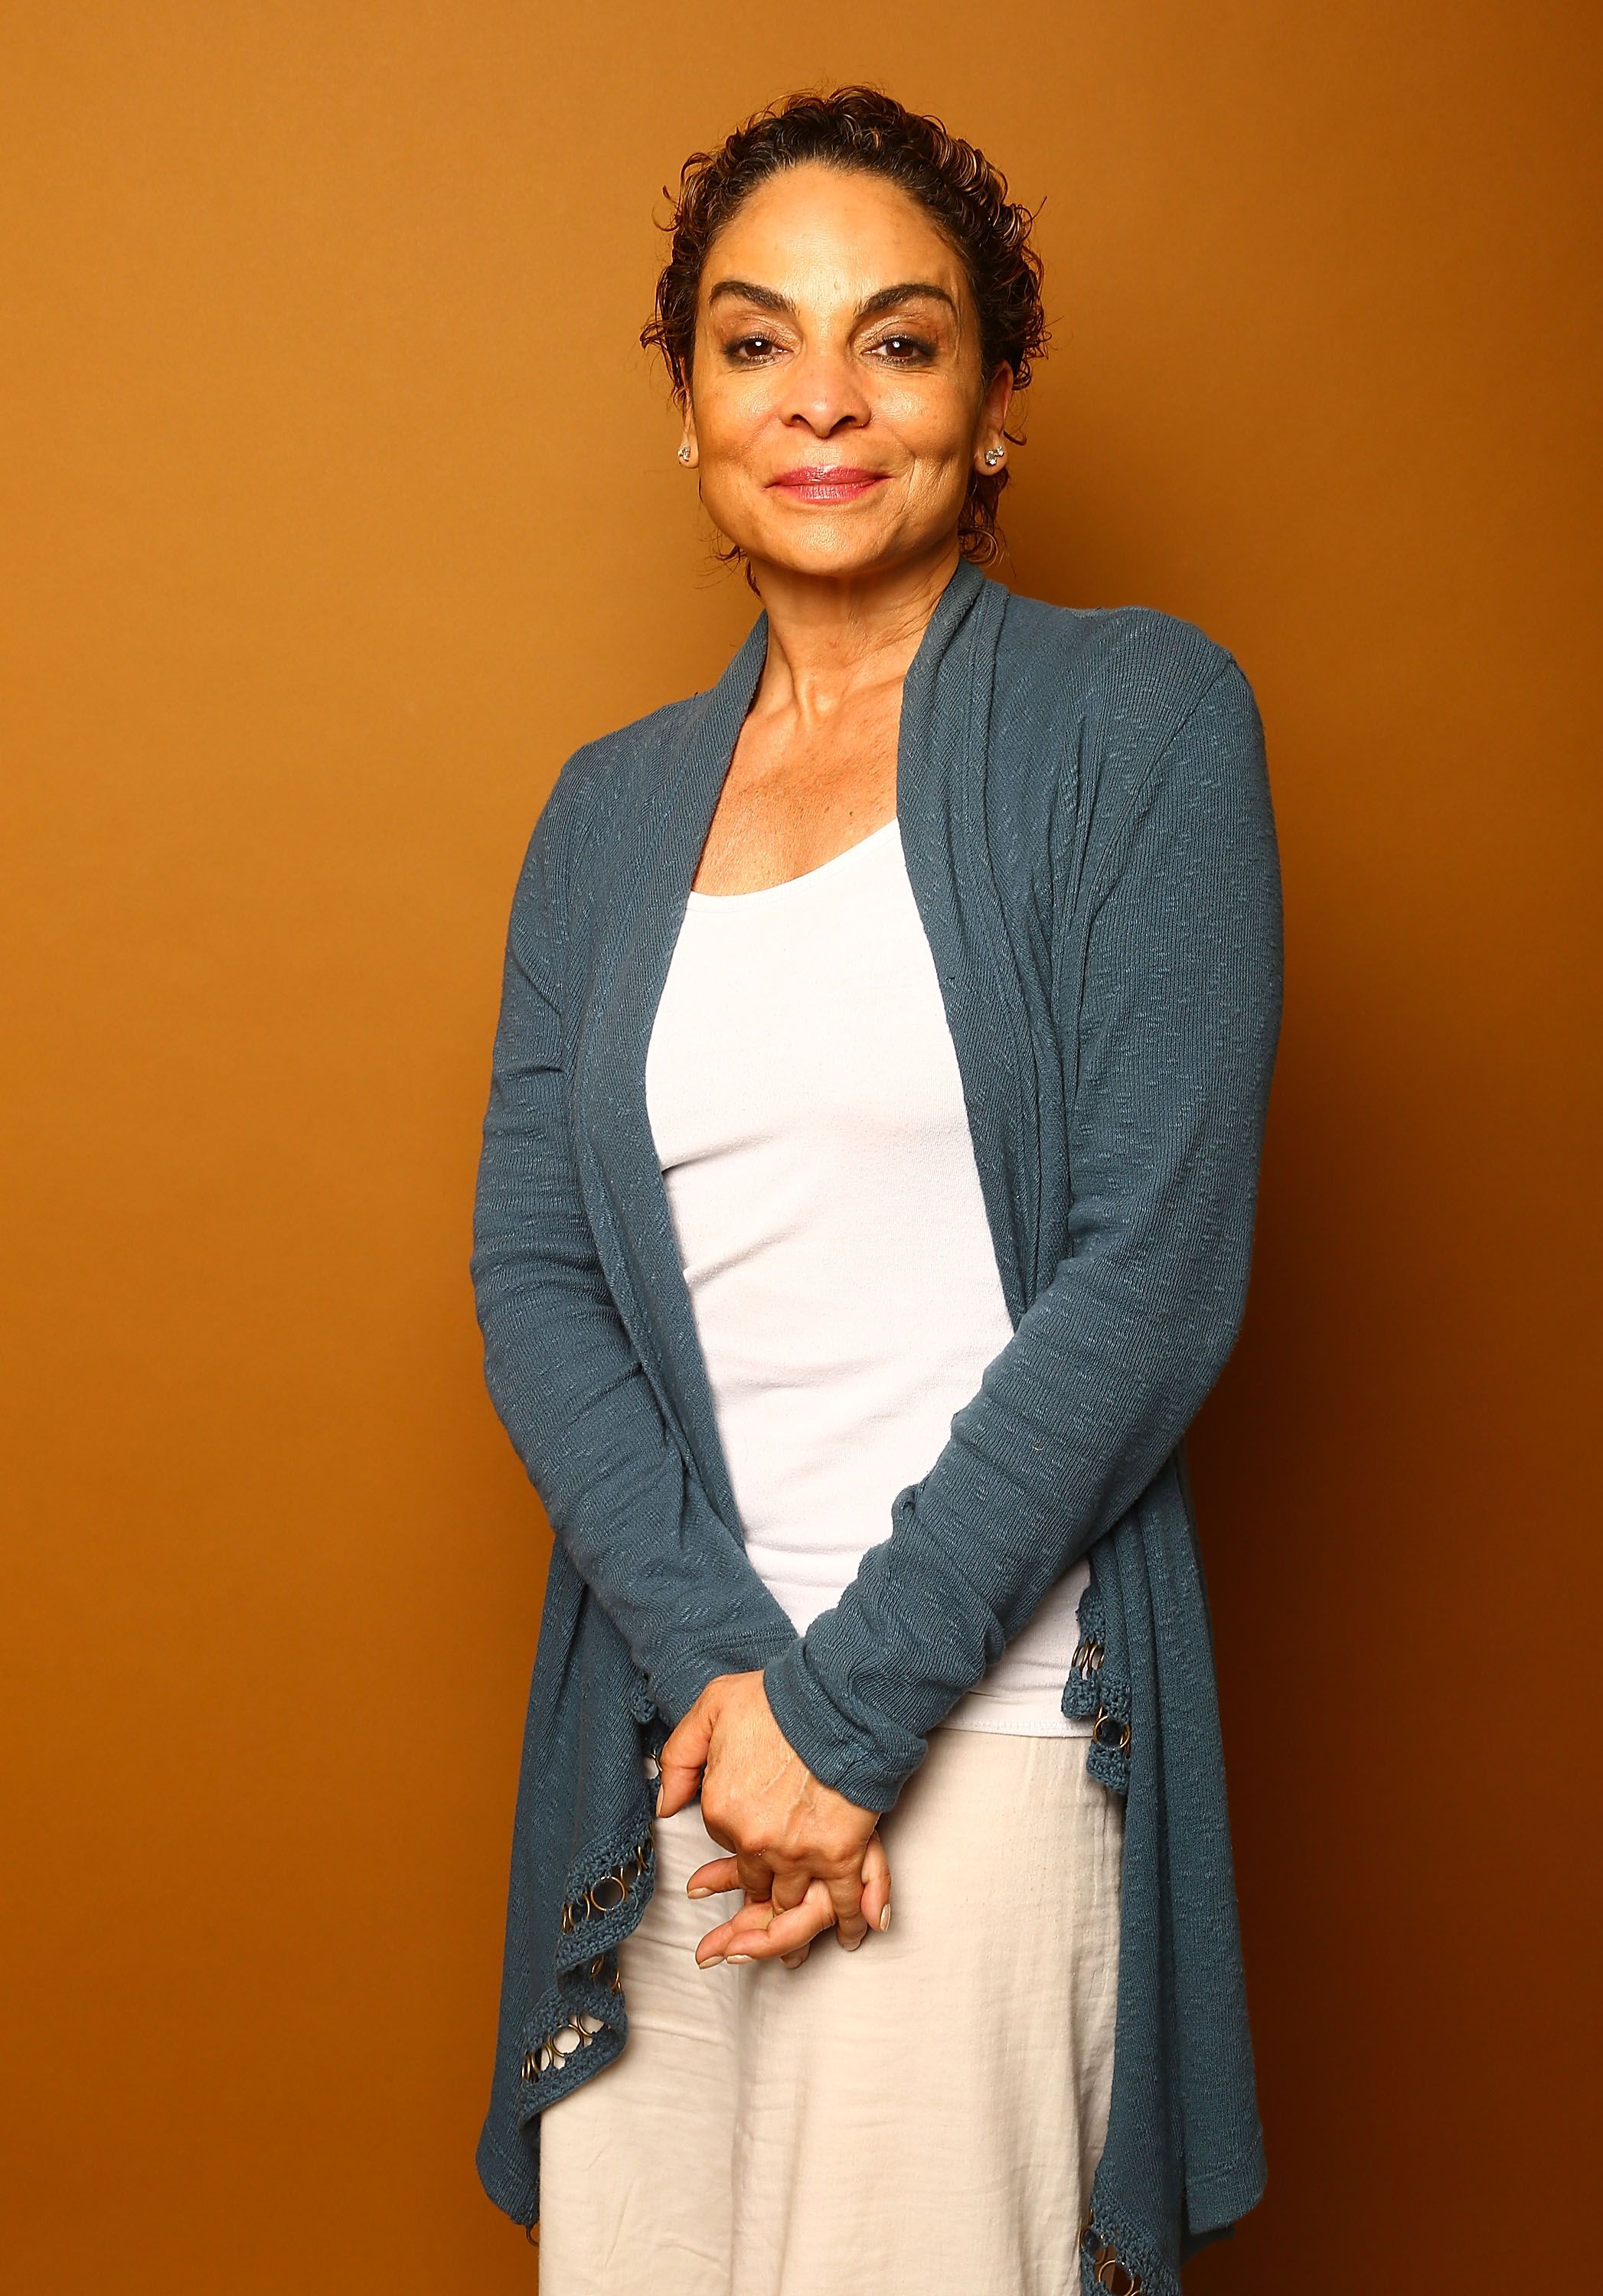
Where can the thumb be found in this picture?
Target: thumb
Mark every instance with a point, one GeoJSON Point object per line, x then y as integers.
{"type": "Point", "coordinates": [684, 1757]}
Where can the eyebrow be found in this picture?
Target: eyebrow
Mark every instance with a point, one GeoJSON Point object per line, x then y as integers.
{"type": "Point", "coordinates": [884, 299]}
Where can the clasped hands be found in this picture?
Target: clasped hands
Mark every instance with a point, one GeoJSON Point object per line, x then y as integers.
{"type": "Point", "coordinates": [806, 1857]}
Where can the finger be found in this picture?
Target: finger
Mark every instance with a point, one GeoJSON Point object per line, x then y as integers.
{"type": "Point", "coordinates": [735, 1934]}
{"type": "Point", "coordinates": [758, 1933]}
{"type": "Point", "coordinates": [846, 1896]}
{"type": "Point", "coordinates": [877, 1884]}
{"type": "Point", "coordinates": [798, 1955]}
{"type": "Point", "coordinates": [794, 1959]}
{"type": "Point", "coordinates": [771, 1938]}
{"type": "Point", "coordinates": [717, 1943]}
{"type": "Point", "coordinates": [789, 1889]}
{"type": "Point", "coordinates": [718, 1874]}
{"type": "Point", "coordinates": [684, 1757]}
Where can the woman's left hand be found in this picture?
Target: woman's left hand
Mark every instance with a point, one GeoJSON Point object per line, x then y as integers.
{"type": "Point", "coordinates": [806, 1857]}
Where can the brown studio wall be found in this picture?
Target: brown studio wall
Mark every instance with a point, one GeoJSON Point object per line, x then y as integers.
{"type": "Point", "coordinates": [338, 506]}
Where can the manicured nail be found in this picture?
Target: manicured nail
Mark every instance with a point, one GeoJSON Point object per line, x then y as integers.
{"type": "Point", "coordinates": [711, 1961]}
{"type": "Point", "coordinates": [851, 1944]}
{"type": "Point", "coordinates": [738, 1956]}
{"type": "Point", "coordinates": [793, 1960]}
{"type": "Point", "coordinates": [661, 1792]}
{"type": "Point", "coordinates": [884, 1919]}
{"type": "Point", "coordinates": [697, 1890]}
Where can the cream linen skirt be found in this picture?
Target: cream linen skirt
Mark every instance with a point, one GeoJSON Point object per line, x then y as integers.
{"type": "Point", "coordinates": [920, 2116]}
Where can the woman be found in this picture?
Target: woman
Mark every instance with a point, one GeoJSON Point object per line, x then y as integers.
{"type": "Point", "coordinates": [865, 1211]}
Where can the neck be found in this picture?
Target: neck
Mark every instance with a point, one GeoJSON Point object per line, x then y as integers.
{"type": "Point", "coordinates": [829, 637]}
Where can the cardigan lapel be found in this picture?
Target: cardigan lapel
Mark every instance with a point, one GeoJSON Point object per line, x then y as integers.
{"type": "Point", "coordinates": [940, 758]}
{"type": "Point", "coordinates": [942, 761]}
{"type": "Point", "coordinates": [619, 1171]}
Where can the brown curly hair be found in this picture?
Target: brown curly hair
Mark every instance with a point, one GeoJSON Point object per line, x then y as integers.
{"type": "Point", "coordinates": [863, 128]}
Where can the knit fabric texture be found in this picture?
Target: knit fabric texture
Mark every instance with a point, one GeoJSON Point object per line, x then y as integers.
{"type": "Point", "coordinates": [1085, 811]}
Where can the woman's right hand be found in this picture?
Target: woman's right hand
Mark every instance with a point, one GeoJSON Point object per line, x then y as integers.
{"type": "Point", "coordinates": [800, 1924]}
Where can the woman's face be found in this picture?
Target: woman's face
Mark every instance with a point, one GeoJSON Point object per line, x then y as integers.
{"type": "Point", "coordinates": [837, 404]}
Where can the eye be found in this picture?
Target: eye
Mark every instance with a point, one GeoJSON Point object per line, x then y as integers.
{"type": "Point", "coordinates": [904, 349]}
{"type": "Point", "coordinates": [751, 350]}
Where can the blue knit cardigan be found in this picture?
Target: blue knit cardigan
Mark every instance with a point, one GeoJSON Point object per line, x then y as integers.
{"type": "Point", "coordinates": [1085, 810]}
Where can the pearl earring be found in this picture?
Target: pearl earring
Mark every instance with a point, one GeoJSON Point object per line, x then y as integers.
{"type": "Point", "coordinates": [992, 456]}
{"type": "Point", "coordinates": [685, 457]}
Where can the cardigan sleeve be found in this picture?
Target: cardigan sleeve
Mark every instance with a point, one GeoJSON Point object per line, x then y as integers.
{"type": "Point", "coordinates": [1169, 1024]}
{"type": "Point", "coordinates": [562, 1370]}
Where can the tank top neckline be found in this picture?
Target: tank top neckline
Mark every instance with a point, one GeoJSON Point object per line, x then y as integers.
{"type": "Point", "coordinates": [790, 886]}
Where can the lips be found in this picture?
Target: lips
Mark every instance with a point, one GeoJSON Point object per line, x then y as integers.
{"type": "Point", "coordinates": [826, 482]}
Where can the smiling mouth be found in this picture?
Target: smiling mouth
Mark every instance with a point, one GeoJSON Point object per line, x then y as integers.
{"type": "Point", "coordinates": [831, 482]}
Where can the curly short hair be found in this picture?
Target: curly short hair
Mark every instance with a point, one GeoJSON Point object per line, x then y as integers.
{"type": "Point", "coordinates": [865, 129]}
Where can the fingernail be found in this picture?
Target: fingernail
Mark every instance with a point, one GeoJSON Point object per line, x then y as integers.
{"type": "Point", "coordinates": [661, 1792]}
{"type": "Point", "coordinates": [738, 1956]}
{"type": "Point", "coordinates": [711, 1961]}
{"type": "Point", "coordinates": [884, 1919]}
{"type": "Point", "coordinates": [792, 1960]}
{"type": "Point", "coordinates": [697, 1890]}
{"type": "Point", "coordinates": [851, 1944]}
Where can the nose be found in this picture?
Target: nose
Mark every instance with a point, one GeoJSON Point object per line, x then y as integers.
{"type": "Point", "coordinates": [823, 393]}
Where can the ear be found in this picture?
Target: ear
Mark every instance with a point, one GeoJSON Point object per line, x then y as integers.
{"type": "Point", "coordinates": [993, 409]}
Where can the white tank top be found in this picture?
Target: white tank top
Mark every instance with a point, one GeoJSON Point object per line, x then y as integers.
{"type": "Point", "coordinates": [805, 1099]}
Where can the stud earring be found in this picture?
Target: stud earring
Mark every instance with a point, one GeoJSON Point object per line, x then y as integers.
{"type": "Point", "coordinates": [992, 456]}
{"type": "Point", "coordinates": [685, 457]}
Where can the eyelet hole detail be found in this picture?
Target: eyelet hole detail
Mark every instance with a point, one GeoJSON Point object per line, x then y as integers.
{"type": "Point", "coordinates": [557, 2047]}
{"type": "Point", "coordinates": [1108, 2267]}
{"type": "Point", "coordinates": [1107, 1730]}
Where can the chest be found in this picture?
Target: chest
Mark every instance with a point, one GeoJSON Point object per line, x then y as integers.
{"type": "Point", "coordinates": [797, 793]}
{"type": "Point", "coordinates": [804, 1024]}
{"type": "Point", "coordinates": [967, 849]}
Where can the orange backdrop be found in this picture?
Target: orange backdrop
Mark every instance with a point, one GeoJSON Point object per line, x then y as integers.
{"type": "Point", "coordinates": [341, 505]}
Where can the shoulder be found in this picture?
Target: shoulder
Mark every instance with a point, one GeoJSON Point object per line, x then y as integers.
{"type": "Point", "coordinates": [599, 796]}
{"type": "Point", "coordinates": [608, 771]}
{"type": "Point", "coordinates": [1111, 717]}
{"type": "Point", "coordinates": [1133, 672]}
{"type": "Point", "coordinates": [1107, 699]}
